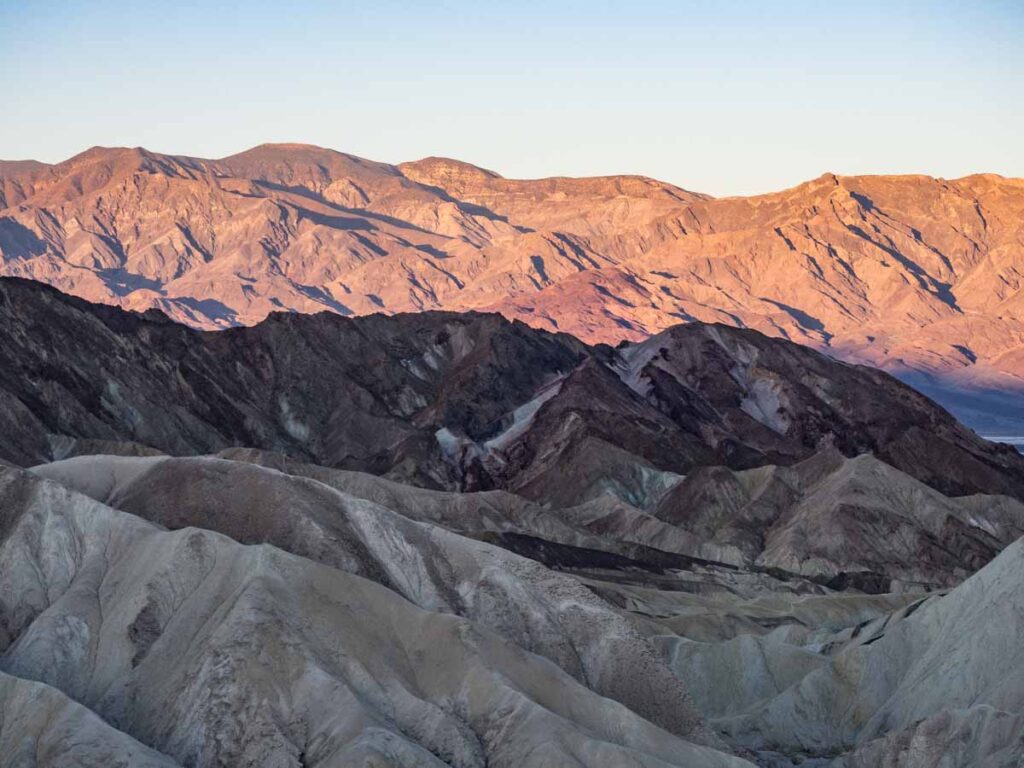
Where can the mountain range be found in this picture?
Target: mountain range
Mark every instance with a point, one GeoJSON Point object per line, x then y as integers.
{"type": "Point", "coordinates": [309, 461]}
{"type": "Point", "coordinates": [919, 276]}
{"type": "Point", "coordinates": [453, 539]}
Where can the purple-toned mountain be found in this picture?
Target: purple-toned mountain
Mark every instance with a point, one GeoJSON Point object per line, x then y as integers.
{"type": "Point", "coordinates": [463, 401]}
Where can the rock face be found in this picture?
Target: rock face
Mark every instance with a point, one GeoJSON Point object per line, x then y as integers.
{"type": "Point", "coordinates": [464, 401]}
{"type": "Point", "coordinates": [917, 275]}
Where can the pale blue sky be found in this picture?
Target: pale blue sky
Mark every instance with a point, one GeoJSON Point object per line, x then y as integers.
{"type": "Point", "coordinates": [725, 98]}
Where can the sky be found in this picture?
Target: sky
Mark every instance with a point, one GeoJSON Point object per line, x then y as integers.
{"type": "Point", "coordinates": [719, 97]}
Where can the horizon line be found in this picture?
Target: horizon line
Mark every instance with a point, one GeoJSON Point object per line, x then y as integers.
{"type": "Point", "coordinates": [626, 174]}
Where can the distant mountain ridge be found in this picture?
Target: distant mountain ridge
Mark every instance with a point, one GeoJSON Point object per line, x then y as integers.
{"type": "Point", "coordinates": [920, 276]}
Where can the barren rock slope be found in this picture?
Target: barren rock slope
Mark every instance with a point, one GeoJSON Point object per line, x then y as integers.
{"type": "Point", "coordinates": [464, 401]}
{"type": "Point", "coordinates": [217, 653]}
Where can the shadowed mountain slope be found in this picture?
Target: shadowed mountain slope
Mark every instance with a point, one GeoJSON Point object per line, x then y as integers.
{"type": "Point", "coordinates": [464, 401]}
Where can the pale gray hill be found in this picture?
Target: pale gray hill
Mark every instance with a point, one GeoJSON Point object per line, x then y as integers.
{"type": "Point", "coordinates": [474, 512]}
{"type": "Point", "coordinates": [40, 727]}
{"type": "Point", "coordinates": [845, 523]}
{"type": "Point", "coordinates": [946, 680]}
{"type": "Point", "coordinates": [606, 523]}
{"type": "Point", "coordinates": [1000, 515]}
{"type": "Point", "coordinates": [540, 610]}
{"type": "Point", "coordinates": [867, 517]}
{"type": "Point", "coordinates": [779, 664]}
{"type": "Point", "coordinates": [737, 674]}
{"type": "Point", "coordinates": [797, 635]}
{"type": "Point", "coordinates": [218, 653]}
{"type": "Point", "coordinates": [566, 538]}
{"type": "Point", "coordinates": [852, 521]}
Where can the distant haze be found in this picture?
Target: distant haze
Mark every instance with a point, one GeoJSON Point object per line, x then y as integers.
{"type": "Point", "coordinates": [724, 98]}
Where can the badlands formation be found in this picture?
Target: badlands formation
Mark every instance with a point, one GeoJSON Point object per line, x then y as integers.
{"type": "Point", "coordinates": [458, 540]}
{"type": "Point", "coordinates": [919, 276]}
